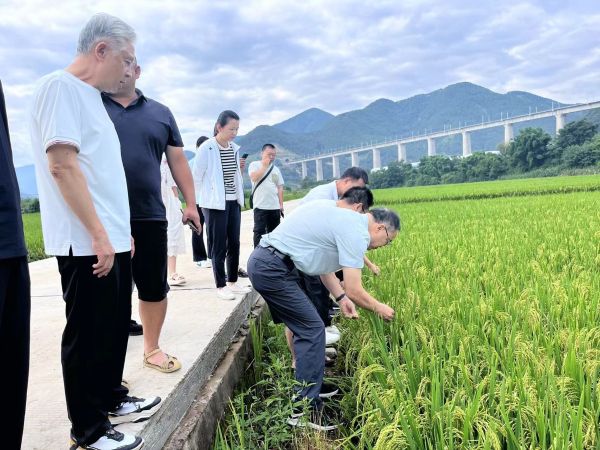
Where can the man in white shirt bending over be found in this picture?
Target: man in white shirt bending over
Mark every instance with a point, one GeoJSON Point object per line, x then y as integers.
{"type": "Point", "coordinates": [267, 192]}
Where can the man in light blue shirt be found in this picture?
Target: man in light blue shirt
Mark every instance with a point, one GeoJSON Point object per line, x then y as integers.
{"type": "Point", "coordinates": [352, 177]}
{"type": "Point", "coordinates": [319, 238]}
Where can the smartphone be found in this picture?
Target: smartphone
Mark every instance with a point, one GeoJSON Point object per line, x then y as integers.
{"type": "Point", "coordinates": [245, 155]}
{"type": "Point", "coordinates": [191, 224]}
{"type": "Point", "coordinates": [193, 227]}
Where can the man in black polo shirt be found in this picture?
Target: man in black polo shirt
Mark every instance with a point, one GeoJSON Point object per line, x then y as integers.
{"type": "Point", "coordinates": [14, 293]}
{"type": "Point", "coordinates": [147, 129]}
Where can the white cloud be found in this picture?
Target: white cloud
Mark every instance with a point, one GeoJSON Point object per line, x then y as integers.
{"type": "Point", "coordinates": [271, 59]}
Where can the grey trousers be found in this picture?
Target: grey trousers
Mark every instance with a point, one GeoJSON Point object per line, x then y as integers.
{"type": "Point", "coordinates": [277, 281]}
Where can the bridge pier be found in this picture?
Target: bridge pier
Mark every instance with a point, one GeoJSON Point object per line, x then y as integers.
{"type": "Point", "coordinates": [319, 169]}
{"type": "Point", "coordinates": [304, 170]}
{"type": "Point", "coordinates": [466, 143]}
{"type": "Point", "coordinates": [509, 133]}
{"type": "Point", "coordinates": [335, 162]}
{"type": "Point", "coordinates": [376, 158]}
{"type": "Point", "coordinates": [560, 122]}
{"type": "Point", "coordinates": [430, 147]}
{"type": "Point", "coordinates": [354, 159]}
{"type": "Point", "coordinates": [402, 152]}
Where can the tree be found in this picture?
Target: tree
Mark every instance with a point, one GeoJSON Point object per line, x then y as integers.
{"type": "Point", "coordinates": [530, 149]}
{"type": "Point", "coordinates": [482, 167]}
{"type": "Point", "coordinates": [573, 134]}
{"type": "Point", "coordinates": [396, 174]}
{"type": "Point", "coordinates": [434, 167]}
{"type": "Point", "coordinates": [584, 155]}
{"type": "Point", "coordinates": [576, 133]}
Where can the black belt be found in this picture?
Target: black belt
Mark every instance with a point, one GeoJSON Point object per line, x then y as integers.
{"type": "Point", "coordinates": [282, 256]}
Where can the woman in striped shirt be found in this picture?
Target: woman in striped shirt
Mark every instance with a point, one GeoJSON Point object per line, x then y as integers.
{"type": "Point", "coordinates": [217, 170]}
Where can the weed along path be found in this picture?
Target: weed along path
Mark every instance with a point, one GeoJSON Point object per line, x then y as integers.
{"type": "Point", "coordinates": [198, 330]}
{"type": "Point", "coordinates": [496, 340]}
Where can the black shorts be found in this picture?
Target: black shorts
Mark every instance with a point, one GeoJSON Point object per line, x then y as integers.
{"type": "Point", "coordinates": [149, 263]}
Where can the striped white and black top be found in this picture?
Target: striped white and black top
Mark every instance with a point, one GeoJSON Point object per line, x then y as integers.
{"type": "Point", "coordinates": [229, 169]}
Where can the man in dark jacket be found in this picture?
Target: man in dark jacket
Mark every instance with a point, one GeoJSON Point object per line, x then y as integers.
{"type": "Point", "coordinates": [15, 300]}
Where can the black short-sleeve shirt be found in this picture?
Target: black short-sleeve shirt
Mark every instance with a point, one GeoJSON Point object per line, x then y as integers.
{"type": "Point", "coordinates": [145, 128]}
{"type": "Point", "coordinates": [12, 241]}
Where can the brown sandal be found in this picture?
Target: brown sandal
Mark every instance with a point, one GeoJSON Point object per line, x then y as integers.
{"type": "Point", "coordinates": [170, 364]}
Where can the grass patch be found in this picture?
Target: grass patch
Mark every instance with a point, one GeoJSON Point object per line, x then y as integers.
{"type": "Point", "coordinates": [32, 226]}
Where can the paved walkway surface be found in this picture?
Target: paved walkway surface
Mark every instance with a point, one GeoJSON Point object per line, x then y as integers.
{"type": "Point", "coordinates": [194, 317]}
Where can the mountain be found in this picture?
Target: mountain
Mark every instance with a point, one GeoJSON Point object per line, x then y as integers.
{"type": "Point", "coordinates": [456, 104]}
{"type": "Point", "coordinates": [316, 131]}
{"type": "Point", "coordinates": [311, 120]}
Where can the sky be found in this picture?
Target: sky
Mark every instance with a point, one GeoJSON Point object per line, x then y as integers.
{"type": "Point", "coordinates": [270, 60]}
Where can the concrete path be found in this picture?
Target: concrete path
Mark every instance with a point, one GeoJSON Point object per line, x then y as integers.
{"type": "Point", "coordinates": [198, 329]}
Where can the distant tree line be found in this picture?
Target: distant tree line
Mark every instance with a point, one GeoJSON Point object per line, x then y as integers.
{"type": "Point", "coordinates": [30, 205]}
{"type": "Point", "coordinates": [532, 153]}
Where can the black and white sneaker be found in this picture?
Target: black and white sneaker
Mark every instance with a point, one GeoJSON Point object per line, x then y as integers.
{"type": "Point", "coordinates": [112, 440]}
{"type": "Point", "coordinates": [134, 409]}
{"type": "Point", "coordinates": [328, 390]}
{"type": "Point", "coordinates": [315, 419]}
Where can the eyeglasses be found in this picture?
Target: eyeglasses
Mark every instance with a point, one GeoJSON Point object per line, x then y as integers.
{"type": "Point", "coordinates": [387, 236]}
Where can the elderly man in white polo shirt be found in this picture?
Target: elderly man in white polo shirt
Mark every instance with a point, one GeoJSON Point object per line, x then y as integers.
{"type": "Point", "coordinates": [85, 222]}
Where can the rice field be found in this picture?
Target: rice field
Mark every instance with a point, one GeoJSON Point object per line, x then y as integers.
{"type": "Point", "coordinates": [32, 227]}
{"type": "Point", "coordinates": [489, 189]}
{"type": "Point", "coordinates": [497, 341]}
{"type": "Point", "coordinates": [496, 344]}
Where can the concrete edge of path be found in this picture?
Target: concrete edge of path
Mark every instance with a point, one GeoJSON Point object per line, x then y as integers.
{"type": "Point", "coordinates": [196, 430]}
{"type": "Point", "coordinates": [166, 420]}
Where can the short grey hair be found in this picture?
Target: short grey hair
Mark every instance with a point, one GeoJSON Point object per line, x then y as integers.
{"type": "Point", "coordinates": [387, 217]}
{"type": "Point", "coordinates": [104, 27]}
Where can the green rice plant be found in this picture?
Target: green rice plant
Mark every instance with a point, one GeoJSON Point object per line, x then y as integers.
{"type": "Point", "coordinates": [496, 342]}
{"type": "Point", "coordinates": [489, 189]}
{"type": "Point", "coordinates": [32, 227]}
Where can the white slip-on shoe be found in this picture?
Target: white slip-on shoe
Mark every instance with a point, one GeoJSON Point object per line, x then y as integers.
{"type": "Point", "coordinates": [237, 288]}
{"type": "Point", "coordinates": [225, 293]}
{"type": "Point", "coordinates": [333, 330]}
{"type": "Point", "coordinates": [331, 338]}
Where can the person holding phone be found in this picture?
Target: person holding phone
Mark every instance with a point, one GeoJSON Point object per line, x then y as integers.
{"type": "Point", "coordinates": [217, 171]}
{"type": "Point", "coordinates": [267, 192]}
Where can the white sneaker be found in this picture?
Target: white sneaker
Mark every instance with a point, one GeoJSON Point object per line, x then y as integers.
{"type": "Point", "coordinates": [225, 293]}
{"type": "Point", "coordinates": [331, 352]}
{"type": "Point", "coordinates": [205, 264]}
{"type": "Point", "coordinates": [237, 288]}
{"type": "Point", "coordinates": [112, 440]}
{"type": "Point", "coordinates": [333, 330]}
{"type": "Point", "coordinates": [331, 338]}
{"type": "Point", "coordinates": [134, 409]}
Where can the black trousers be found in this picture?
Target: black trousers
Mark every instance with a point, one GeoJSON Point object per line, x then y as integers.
{"type": "Point", "coordinates": [94, 341]}
{"type": "Point", "coordinates": [277, 281]}
{"type": "Point", "coordinates": [265, 221]}
{"type": "Point", "coordinates": [198, 248]}
{"type": "Point", "coordinates": [15, 308]}
{"type": "Point", "coordinates": [223, 233]}
{"type": "Point", "coordinates": [318, 295]}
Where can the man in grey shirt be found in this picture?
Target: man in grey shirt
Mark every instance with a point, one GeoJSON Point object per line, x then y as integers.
{"type": "Point", "coordinates": [340, 237]}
